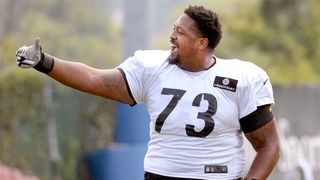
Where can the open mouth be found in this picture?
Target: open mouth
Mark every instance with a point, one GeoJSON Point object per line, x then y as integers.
{"type": "Point", "coordinates": [174, 48]}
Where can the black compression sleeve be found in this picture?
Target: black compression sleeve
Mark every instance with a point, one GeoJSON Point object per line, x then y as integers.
{"type": "Point", "coordinates": [257, 119]}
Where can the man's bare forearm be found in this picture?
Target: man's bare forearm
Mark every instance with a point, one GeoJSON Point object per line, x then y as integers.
{"type": "Point", "coordinates": [263, 164]}
{"type": "Point", "coordinates": [107, 83]}
{"type": "Point", "coordinates": [266, 143]}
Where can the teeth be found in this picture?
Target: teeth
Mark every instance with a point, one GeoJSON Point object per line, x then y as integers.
{"type": "Point", "coordinates": [173, 46]}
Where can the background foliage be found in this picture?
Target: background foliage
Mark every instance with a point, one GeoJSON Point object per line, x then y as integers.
{"type": "Point", "coordinates": [79, 31]}
{"type": "Point", "coordinates": [281, 36]}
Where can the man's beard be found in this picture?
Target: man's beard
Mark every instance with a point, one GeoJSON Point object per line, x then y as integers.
{"type": "Point", "coordinates": [174, 60]}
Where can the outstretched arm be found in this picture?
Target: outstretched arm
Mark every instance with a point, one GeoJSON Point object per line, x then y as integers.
{"type": "Point", "coordinates": [266, 143]}
{"type": "Point", "coordinates": [107, 83]}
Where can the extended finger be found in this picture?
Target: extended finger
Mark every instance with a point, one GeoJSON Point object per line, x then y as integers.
{"type": "Point", "coordinates": [37, 43]}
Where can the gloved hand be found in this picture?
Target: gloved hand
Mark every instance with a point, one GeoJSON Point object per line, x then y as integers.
{"type": "Point", "coordinates": [32, 56]}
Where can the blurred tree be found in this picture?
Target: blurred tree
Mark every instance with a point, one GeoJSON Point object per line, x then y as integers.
{"type": "Point", "coordinates": [21, 129]}
{"type": "Point", "coordinates": [254, 38]}
{"type": "Point", "coordinates": [300, 21]}
{"type": "Point", "coordinates": [71, 30]}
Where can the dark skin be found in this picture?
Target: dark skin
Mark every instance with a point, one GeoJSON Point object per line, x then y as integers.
{"type": "Point", "coordinates": [190, 52]}
{"type": "Point", "coordinates": [193, 53]}
{"type": "Point", "coordinates": [266, 143]}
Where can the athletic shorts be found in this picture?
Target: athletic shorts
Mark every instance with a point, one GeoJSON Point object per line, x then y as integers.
{"type": "Point", "coordinates": [152, 176]}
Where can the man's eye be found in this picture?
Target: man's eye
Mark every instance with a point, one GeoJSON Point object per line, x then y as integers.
{"type": "Point", "coordinates": [180, 31]}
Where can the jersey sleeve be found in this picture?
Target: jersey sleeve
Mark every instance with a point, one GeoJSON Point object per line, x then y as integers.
{"type": "Point", "coordinates": [257, 91]}
{"type": "Point", "coordinates": [132, 70]}
{"type": "Point", "coordinates": [247, 103]}
{"type": "Point", "coordinates": [263, 99]}
{"type": "Point", "coordinates": [263, 88]}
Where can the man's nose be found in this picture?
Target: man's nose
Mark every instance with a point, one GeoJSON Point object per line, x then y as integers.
{"type": "Point", "coordinates": [173, 36]}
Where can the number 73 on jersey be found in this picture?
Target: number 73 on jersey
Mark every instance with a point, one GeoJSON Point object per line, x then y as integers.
{"type": "Point", "coordinates": [206, 116]}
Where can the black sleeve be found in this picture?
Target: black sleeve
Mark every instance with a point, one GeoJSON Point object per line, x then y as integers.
{"type": "Point", "coordinates": [257, 119]}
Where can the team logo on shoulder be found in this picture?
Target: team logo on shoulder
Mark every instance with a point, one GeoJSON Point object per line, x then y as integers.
{"type": "Point", "coordinates": [225, 83]}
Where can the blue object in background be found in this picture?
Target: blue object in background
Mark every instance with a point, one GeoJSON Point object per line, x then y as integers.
{"type": "Point", "coordinates": [118, 162]}
{"type": "Point", "coordinates": [125, 162]}
{"type": "Point", "coordinates": [132, 124]}
{"type": "Point", "coordinates": [124, 159]}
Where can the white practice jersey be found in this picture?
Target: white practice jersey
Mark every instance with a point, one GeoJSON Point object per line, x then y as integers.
{"type": "Point", "coordinates": [195, 129]}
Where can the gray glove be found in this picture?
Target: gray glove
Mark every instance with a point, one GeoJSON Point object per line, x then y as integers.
{"type": "Point", "coordinates": [33, 57]}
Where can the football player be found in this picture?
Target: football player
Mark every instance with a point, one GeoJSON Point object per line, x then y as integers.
{"type": "Point", "coordinates": [200, 105]}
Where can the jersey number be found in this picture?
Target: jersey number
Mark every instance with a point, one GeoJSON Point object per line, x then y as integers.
{"type": "Point", "coordinates": [206, 116]}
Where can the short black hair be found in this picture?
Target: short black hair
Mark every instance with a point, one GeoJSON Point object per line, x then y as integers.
{"type": "Point", "coordinates": [207, 22]}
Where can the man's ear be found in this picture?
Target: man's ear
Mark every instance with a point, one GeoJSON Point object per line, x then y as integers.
{"type": "Point", "coordinates": [203, 43]}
